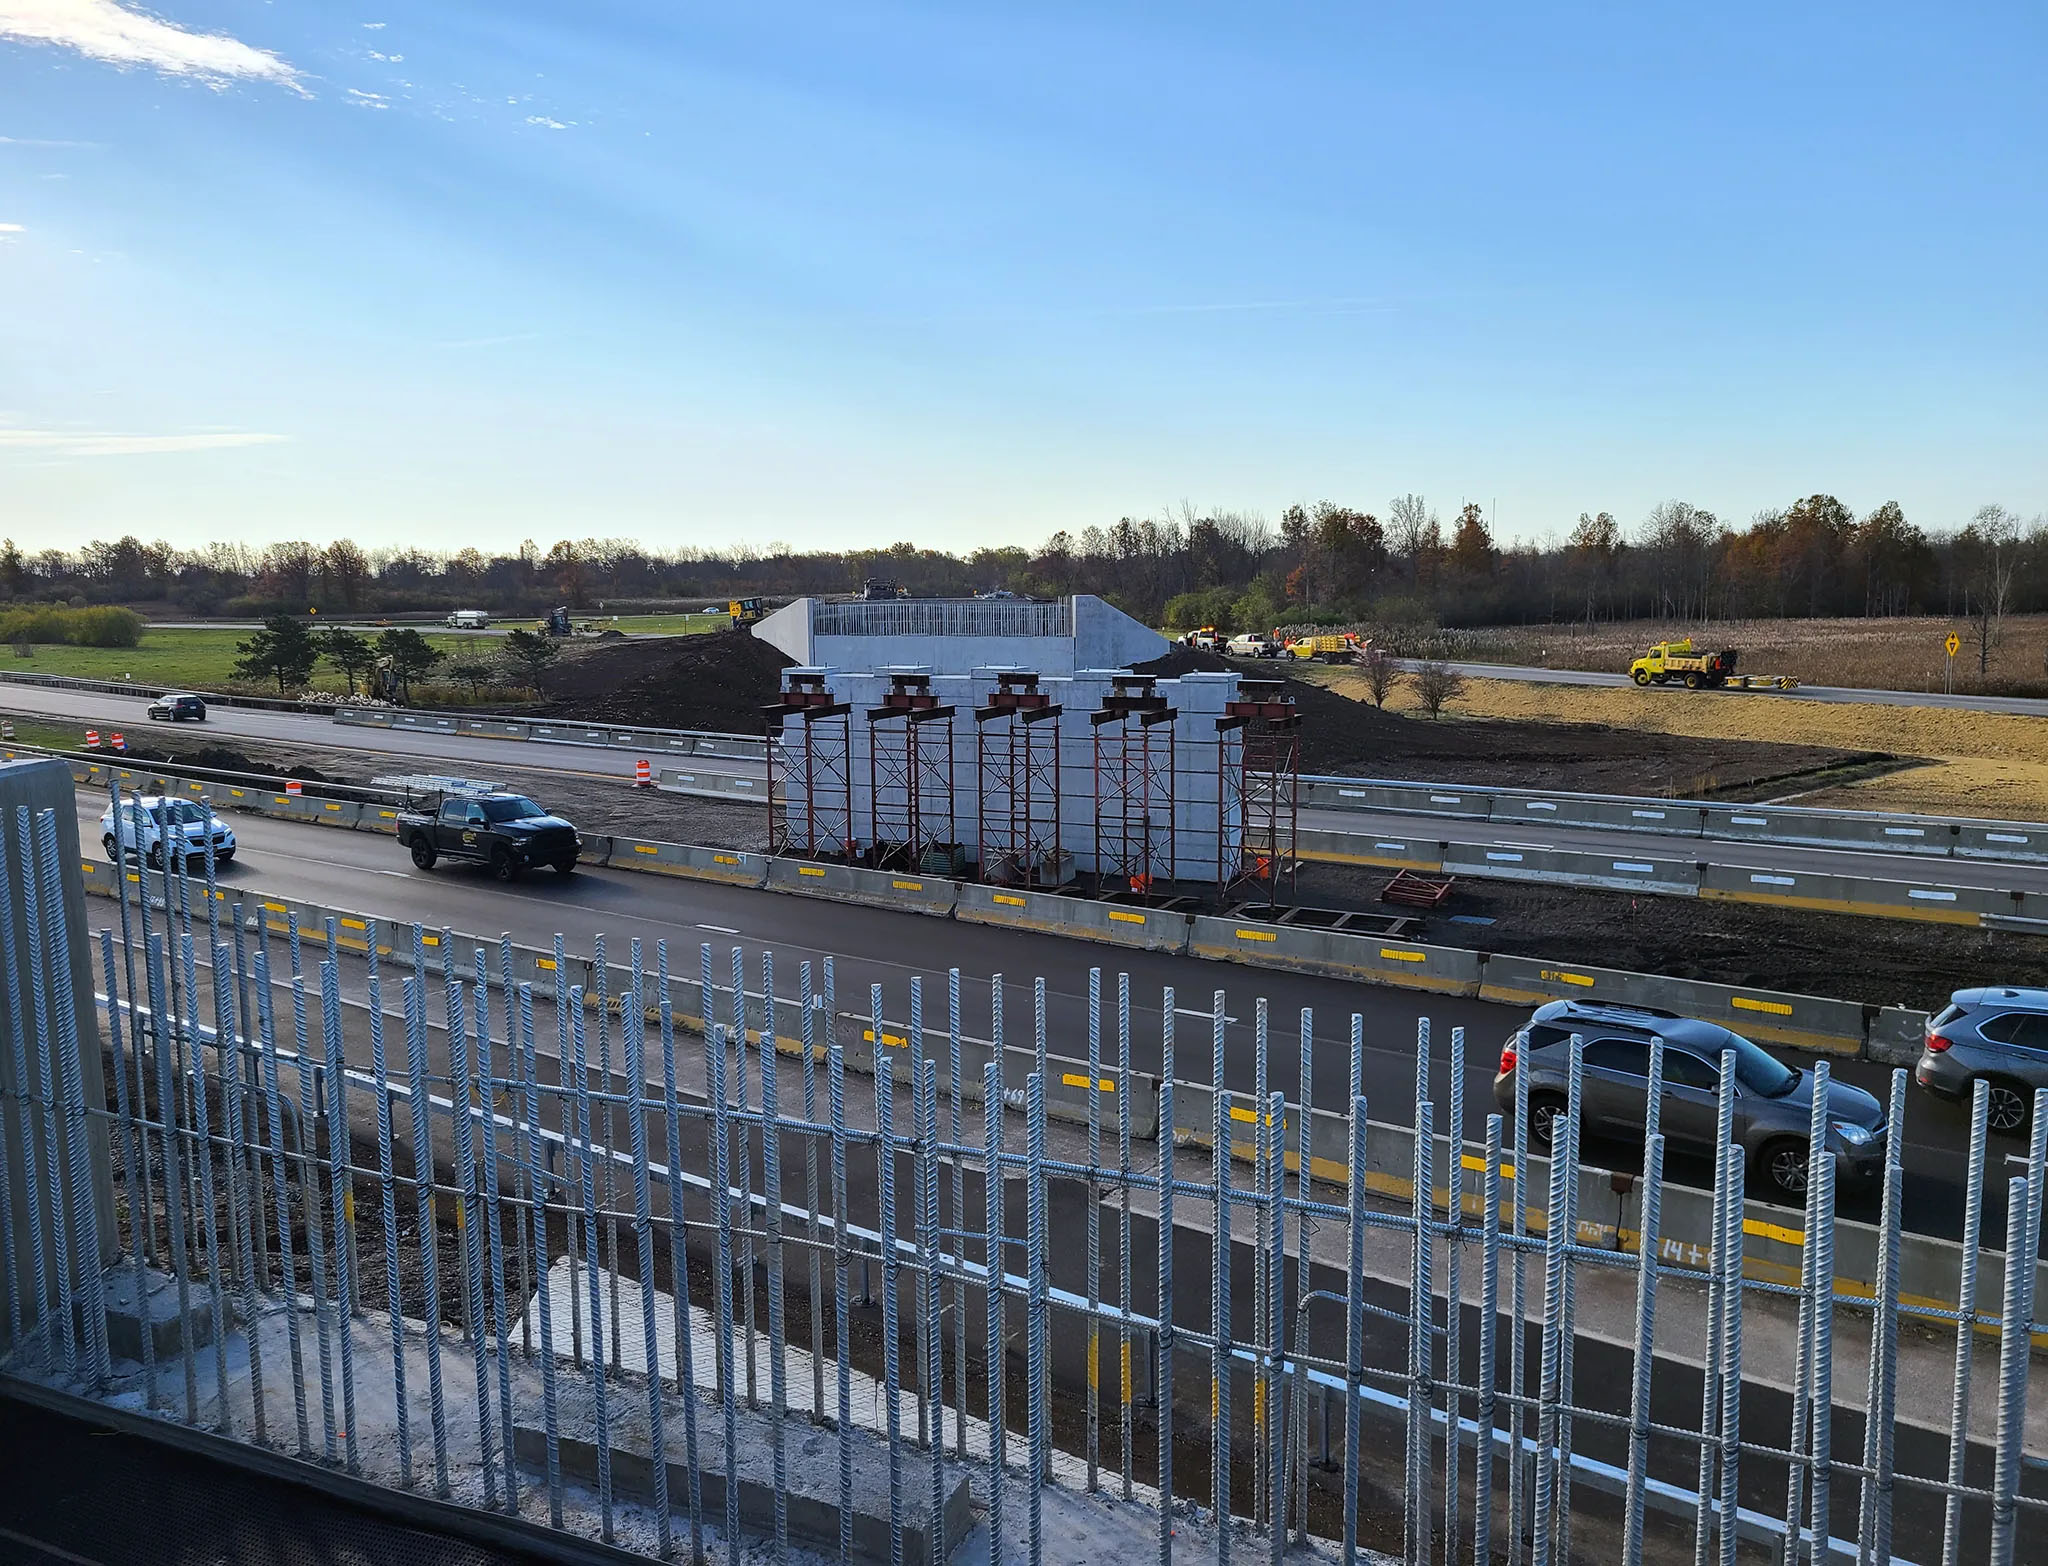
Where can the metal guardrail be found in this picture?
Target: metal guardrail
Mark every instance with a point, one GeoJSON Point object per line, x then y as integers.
{"type": "Point", "coordinates": [136, 688]}
{"type": "Point", "coordinates": [549, 1179]}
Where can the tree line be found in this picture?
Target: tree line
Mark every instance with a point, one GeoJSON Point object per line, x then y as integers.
{"type": "Point", "coordinates": [1328, 563]}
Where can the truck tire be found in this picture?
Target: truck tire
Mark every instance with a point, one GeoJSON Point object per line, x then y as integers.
{"type": "Point", "coordinates": [1692, 681]}
{"type": "Point", "coordinates": [423, 853]}
{"type": "Point", "coordinates": [1642, 676]}
{"type": "Point", "coordinates": [504, 866]}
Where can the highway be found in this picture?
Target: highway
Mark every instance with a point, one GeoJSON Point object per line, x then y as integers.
{"type": "Point", "coordinates": [368, 874]}
{"type": "Point", "coordinates": [2018, 706]}
{"type": "Point", "coordinates": [420, 750]}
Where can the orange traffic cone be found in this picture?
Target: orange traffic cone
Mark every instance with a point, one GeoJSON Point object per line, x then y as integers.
{"type": "Point", "coordinates": [643, 773]}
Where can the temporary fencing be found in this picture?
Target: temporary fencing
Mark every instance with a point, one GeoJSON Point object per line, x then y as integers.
{"type": "Point", "coordinates": [559, 1251]}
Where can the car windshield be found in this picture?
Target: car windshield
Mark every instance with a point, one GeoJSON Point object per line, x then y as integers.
{"type": "Point", "coordinates": [511, 808]}
{"type": "Point", "coordinates": [178, 812]}
{"type": "Point", "coordinates": [1760, 1073]}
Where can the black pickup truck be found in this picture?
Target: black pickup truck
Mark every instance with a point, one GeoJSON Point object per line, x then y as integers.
{"type": "Point", "coordinates": [508, 832]}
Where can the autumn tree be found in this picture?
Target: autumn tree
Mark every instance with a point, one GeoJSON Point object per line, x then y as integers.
{"type": "Point", "coordinates": [1595, 547]}
{"type": "Point", "coordinates": [348, 652]}
{"type": "Point", "coordinates": [344, 573]}
{"type": "Point", "coordinates": [1472, 552]}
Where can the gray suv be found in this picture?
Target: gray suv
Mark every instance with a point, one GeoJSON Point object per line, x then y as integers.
{"type": "Point", "coordinates": [2000, 1035]}
{"type": "Point", "coordinates": [1773, 1101]}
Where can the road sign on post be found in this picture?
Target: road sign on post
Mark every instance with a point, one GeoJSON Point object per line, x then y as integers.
{"type": "Point", "coordinates": [1952, 644]}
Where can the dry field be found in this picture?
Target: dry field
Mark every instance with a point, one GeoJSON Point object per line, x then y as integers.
{"type": "Point", "coordinates": [1897, 654]}
{"type": "Point", "coordinates": [1978, 764]}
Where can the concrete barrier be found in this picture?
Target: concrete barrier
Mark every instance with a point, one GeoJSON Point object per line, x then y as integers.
{"type": "Point", "coordinates": [711, 785]}
{"type": "Point", "coordinates": [1368, 848]}
{"type": "Point", "coordinates": [1012, 908]}
{"type": "Point", "coordinates": [1147, 929]}
{"type": "Point", "coordinates": [1928, 835]}
{"type": "Point", "coordinates": [1805, 1021]}
{"type": "Point", "coordinates": [1851, 894]}
{"type": "Point", "coordinates": [364, 717]}
{"type": "Point", "coordinates": [1563, 867]}
{"type": "Point", "coordinates": [1418, 799]}
{"type": "Point", "coordinates": [1653, 816]}
{"type": "Point", "coordinates": [2021, 842]}
{"type": "Point", "coordinates": [910, 893]}
{"type": "Point", "coordinates": [732, 866]}
{"type": "Point", "coordinates": [1446, 970]}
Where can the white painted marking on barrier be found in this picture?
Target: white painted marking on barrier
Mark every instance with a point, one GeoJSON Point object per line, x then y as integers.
{"type": "Point", "coordinates": [1748, 821]}
{"type": "Point", "coordinates": [1931, 897]}
{"type": "Point", "coordinates": [1445, 799]}
{"type": "Point", "coordinates": [2004, 837]}
{"type": "Point", "coordinates": [1633, 869]}
{"type": "Point", "coordinates": [1513, 859]}
{"type": "Point", "coordinates": [742, 782]}
{"type": "Point", "coordinates": [1541, 804]}
{"type": "Point", "coordinates": [1501, 842]}
{"type": "Point", "coordinates": [1392, 847]}
{"type": "Point", "coordinates": [1647, 815]}
{"type": "Point", "coordinates": [1775, 880]}
{"type": "Point", "coordinates": [1904, 832]}
{"type": "Point", "coordinates": [1351, 793]}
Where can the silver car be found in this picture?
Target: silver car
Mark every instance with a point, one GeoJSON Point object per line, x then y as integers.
{"type": "Point", "coordinates": [1999, 1035]}
{"type": "Point", "coordinates": [1773, 1101]}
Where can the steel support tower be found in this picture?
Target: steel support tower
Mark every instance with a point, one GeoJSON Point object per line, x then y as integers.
{"type": "Point", "coordinates": [1134, 792]}
{"type": "Point", "coordinates": [819, 825]}
{"type": "Point", "coordinates": [1258, 759]}
{"type": "Point", "coordinates": [1017, 785]}
{"type": "Point", "coordinates": [910, 779]}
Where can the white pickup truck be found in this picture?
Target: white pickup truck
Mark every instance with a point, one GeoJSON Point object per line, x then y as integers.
{"type": "Point", "coordinates": [1253, 645]}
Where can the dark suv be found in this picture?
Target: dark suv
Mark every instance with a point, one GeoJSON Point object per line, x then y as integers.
{"type": "Point", "coordinates": [2000, 1035]}
{"type": "Point", "coordinates": [1773, 1101]}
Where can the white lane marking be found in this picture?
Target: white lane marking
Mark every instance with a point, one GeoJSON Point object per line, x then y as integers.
{"type": "Point", "coordinates": [1207, 1016]}
{"type": "Point", "coordinates": [719, 929]}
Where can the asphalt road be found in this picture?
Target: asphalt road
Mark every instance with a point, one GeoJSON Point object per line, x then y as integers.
{"type": "Point", "coordinates": [368, 874]}
{"type": "Point", "coordinates": [2023, 706]}
{"type": "Point", "coordinates": [414, 750]}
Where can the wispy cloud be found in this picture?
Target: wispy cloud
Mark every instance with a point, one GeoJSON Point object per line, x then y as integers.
{"type": "Point", "coordinates": [545, 122]}
{"type": "Point", "coordinates": [368, 100]}
{"type": "Point", "coordinates": [105, 30]}
{"type": "Point", "coordinates": [374, 26]}
{"type": "Point", "coordinates": [12, 228]}
{"type": "Point", "coordinates": [39, 141]}
{"type": "Point", "coordinates": [107, 443]}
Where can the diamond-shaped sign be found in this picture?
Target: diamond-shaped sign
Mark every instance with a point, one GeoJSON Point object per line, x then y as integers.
{"type": "Point", "coordinates": [1953, 644]}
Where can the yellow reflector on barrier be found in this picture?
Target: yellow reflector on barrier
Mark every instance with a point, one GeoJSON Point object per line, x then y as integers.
{"type": "Point", "coordinates": [1072, 1079]}
{"type": "Point", "coordinates": [353, 924]}
{"type": "Point", "coordinates": [545, 962]}
{"type": "Point", "coordinates": [433, 940]}
{"type": "Point", "coordinates": [1249, 1115]}
{"type": "Point", "coordinates": [275, 907]}
{"type": "Point", "coordinates": [240, 795]}
{"type": "Point", "coordinates": [1257, 935]}
{"type": "Point", "coordinates": [1395, 954]}
{"type": "Point", "coordinates": [645, 848]}
{"type": "Point", "coordinates": [1557, 976]}
{"type": "Point", "coordinates": [807, 870]}
{"type": "Point", "coordinates": [908, 886]}
{"type": "Point", "coordinates": [1126, 918]}
{"type": "Point", "coordinates": [723, 859]}
{"type": "Point", "coordinates": [1014, 902]}
{"type": "Point", "coordinates": [1774, 1008]}
{"type": "Point", "coordinates": [330, 807]}
{"type": "Point", "coordinates": [894, 1039]}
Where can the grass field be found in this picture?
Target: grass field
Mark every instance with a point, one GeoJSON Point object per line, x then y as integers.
{"type": "Point", "coordinates": [1891, 654]}
{"type": "Point", "coordinates": [1978, 763]}
{"type": "Point", "coordinates": [203, 660]}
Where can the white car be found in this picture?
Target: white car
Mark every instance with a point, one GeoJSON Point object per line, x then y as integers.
{"type": "Point", "coordinates": [149, 823]}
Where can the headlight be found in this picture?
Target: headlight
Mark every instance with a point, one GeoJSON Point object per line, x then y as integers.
{"type": "Point", "coordinates": [1850, 1132]}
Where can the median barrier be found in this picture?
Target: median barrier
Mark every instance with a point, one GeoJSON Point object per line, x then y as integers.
{"type": "Point", "coordinates": [1856, 895]}
{"type": "Point", "coordinates": [1672, 819]}
{"type": "Point", "coordinates": [1012, 908]}
{"type": "Point", "coordinates": [1896, 1036]}
{"type": "Point", "coordinates": [2012, 840]}
{"type": "Point", "coordinates": [380, 818]}
{"type": "Point", "coordinates": [494, 728]}
{"type": "Point", "coordinates": [430, 722]}
{"type": "Point", "coordinates": [364, 717]}
{"type": "Point", "coordinates": [927, 894]}
{"type": "Point", "coordinates": [1368, 848]}
{"type": "Point", "coordinates": [1805, 1021]}
{"type": "Point", "coordinates": [711, 785]}
{"type": "Point", "coordinates": [1446, 970]}
{"type": "Point", "coordinates": [1564, 867]}
{"type": "Point", "coordinates": [698, 864]}
{"type": "Point", "coordinates": [1417, 799]}
{"type": "Point", "coordinates": [1824, 829]}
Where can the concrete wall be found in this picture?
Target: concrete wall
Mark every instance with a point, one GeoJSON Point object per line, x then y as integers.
{"type": "Point", "coordinates": [958, 635]}
{"type": "Point", "coordinates": [29, 1046]}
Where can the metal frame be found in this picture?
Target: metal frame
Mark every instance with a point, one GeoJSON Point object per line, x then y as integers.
{"type": "Point", "coordinates": [827, 754]}
{"type": "Point", "coordinates": [1134, 788]}
{"type": "Point", "coordinates": [1258, 780]}
{"type": "Point", "coordinates": [1017, 785]}
{"type": "Point", "coordinates": [910, 778]}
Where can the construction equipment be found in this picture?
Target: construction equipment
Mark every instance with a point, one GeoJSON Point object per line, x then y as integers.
{"type": "Point", "coordinates": [745, 611]}
{"type": "Point", "coordinates": [1668, 661]}
{"type": "Point", "coordinates": [1346, 647]}
{"type": "Point", "coordinates": [556, 621]}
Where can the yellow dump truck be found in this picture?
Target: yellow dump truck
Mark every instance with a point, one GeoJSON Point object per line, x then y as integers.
{"type": "Point", "coordinates": [1344, 648]}
{"type": "Point", "coordinates": [745, 611]}
{"type": "Point", "coordinates": [1678, 661]}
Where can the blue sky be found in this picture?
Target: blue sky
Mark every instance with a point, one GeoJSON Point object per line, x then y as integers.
{"type": "Point", "coordinates": [466, 273]}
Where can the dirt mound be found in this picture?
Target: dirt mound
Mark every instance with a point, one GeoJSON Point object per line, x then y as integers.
{"type": "Point", "coordinates": [718, 681]}
{"type": "Point", "coordinates": [1340, 735]}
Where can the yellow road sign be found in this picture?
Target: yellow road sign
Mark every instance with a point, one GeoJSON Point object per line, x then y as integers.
{"type": "Point", "coordinates": [1953, 644]}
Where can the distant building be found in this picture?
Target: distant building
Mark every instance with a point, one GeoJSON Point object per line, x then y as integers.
{"type": "Point", "coordinates": [960, 635]}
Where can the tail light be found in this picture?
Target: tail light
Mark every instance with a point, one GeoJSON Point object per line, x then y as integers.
{"type": "Point", "coordinates": [1938, 1043]}
{"type": "Point", "coordinates": [1507, 1060]}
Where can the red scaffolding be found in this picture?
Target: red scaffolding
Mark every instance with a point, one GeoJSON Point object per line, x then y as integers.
{"type": "Point", "coordinates": [819, 823]}
{"type": "Point", "coordinates": [1134, 787]}
{"type": "Point", "coordinates": [1258, 758]}
{"type": "Point", "coordinates": [1017, 785]}
{"type": "Point", "coordinates": [910, 779]}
